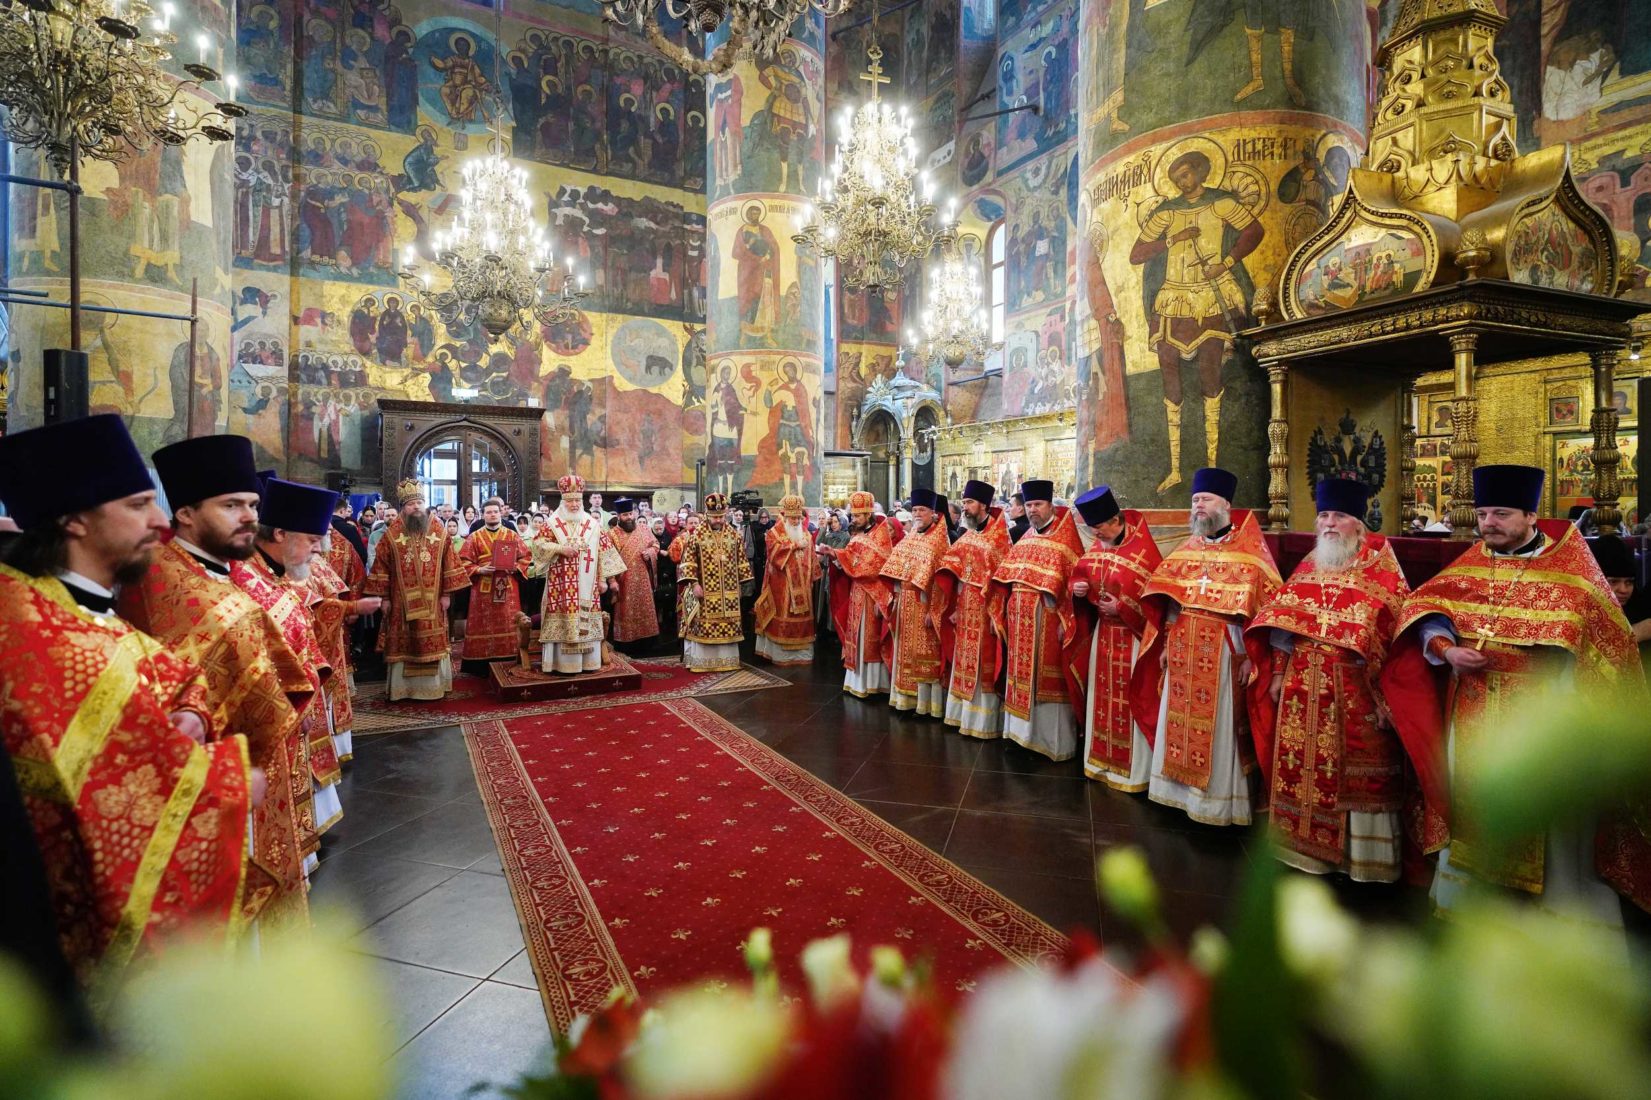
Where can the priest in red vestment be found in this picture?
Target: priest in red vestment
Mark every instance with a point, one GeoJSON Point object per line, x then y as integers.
{"type": "Point", "coordinates": [861, 597]}
{"type": "Point", "coordinates": [257, 685]}
{"type": "Point", "coordinates": [634, 617]}
{"type": "Point", "coordinates": [137, 798]}
{"type": "Point", "coordinates": [293, 522]}
{"type": "Point", "coordinates": [1334, 767]}
{"type": "Point", "coordinates": [1030, 605]}
{"type": "Point", "coordinates": [1524, 607]}
{"type": "Point", "coordinates": [497, 558]}
{"type": "Point", "coordinates": [345, 563]}
{"type": "Point", "coordinates": [1107, 584]}
{"type": "Point", "coordinates": [917, 682]}
{"type": "Point", "coordinates": [785, 607]}
{"type": "Point", "coordinates": [417, 570]}
{"type": "Point", "coordinates": [1198, 682]}
{"type": "Point", "coordinates": [970, 647]}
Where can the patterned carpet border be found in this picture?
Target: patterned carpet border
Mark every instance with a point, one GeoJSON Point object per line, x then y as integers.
{"type": "Point", "coordinates": [375, 714]}
{"type": "Point", "coordinates": [564, 930]}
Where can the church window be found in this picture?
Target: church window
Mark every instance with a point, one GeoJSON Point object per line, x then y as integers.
{"type": "Point", "coordinates": [997, 279]}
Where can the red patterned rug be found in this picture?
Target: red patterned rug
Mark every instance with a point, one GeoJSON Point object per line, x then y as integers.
{"type": "Point", "coordinates": [643, 843]}
{"type": "Point", "coordinates": [472, 698]}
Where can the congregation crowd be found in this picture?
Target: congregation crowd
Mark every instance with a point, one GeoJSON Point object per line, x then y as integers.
{"type": "Point", "coordinates": [177, 684]}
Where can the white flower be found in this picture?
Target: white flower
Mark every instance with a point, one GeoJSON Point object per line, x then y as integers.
{"type": "Point", "coordinates": [1041, 1035]}
{"type": "Point", "coordinates": [1316, 936]}
{"type": "Point", "coordinates": [706, 1044]}
{"type": "Point", "coordinates": [829, 971]}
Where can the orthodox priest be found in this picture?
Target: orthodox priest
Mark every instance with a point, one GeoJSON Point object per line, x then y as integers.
{"type": "Point", "coordinates": [1334, 766]}
{"type": "Point", "coordinates": [970, 647]}
{"type": "Point", "coordinates": [256, 684]}
{"type": "Point", "coordinates": [1525, 606]}
{"type": "Point", "coordinates": [712, 568]}
{"type": "Point", "coordinates": [785, 608]}
{"type": "Point", "coordinates": [1207, 591]}
{"type": "Point", "coordinates": [861, 597]}
{"type": "Point", "coordinates": [634, 617]}
{"type": "Point", "coordinates": [917, 681]}
{"type": "Point", "coordinates": [105, 727]}
{"type": "Point", "coordinates": [293, 523]}
{"type": "Point", "coordinates": [496, 558]}
{"type": "Point", "coordinates": [416, 570]}
{"type": "Point", "coordinates": [1030, 605]}
{"type": "Point", "coordinates": [580, 564]}
{"type": "Point", "coordinates": [347, 564]}
{"type": "Point", "coordinates": [1107, 584]}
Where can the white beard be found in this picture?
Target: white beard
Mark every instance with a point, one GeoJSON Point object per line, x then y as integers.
{"type": "Point", "coordinates": [570, 517]}
{"type": "Point", "coordinates": [299, 572]}
{"type": "Point", "coordinates": [1332, 553]}
{"type": "Point", "coordinates": [797, 533]}
{"type": "Point", "coordinates": [1205, 526]}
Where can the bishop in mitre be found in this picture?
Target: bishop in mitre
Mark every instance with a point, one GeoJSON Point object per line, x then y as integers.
{"type": "Point", "coordinates": [580, 563]}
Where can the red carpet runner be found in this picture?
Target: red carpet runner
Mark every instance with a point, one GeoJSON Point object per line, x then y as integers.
{"type": "Point", "coordinates": [642, 843]}
{"type": "Point", "coordinates": [472, 699]}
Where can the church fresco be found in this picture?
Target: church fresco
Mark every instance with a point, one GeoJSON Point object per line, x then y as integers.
{"type": "Point", "coordinates": [762, 293]}
{"type": "Point", "coordinates": [1371, 264]}
{"type": "Point", "coordinates": [1035, 67]}
{"type": "Point", "coordinates": [1547, 248]}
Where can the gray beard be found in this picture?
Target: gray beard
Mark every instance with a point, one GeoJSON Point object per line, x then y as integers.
{"type": "Point", "coordinates": [1205, 526]}
{"type": "Point", "coordinates": [416, 524]}
{"type": "Point", "coordinates": [299, 572]}
{"type": "Point", "coordinates": [1332, 553]}
{"type": "Point", "coordinates": [973, 524]}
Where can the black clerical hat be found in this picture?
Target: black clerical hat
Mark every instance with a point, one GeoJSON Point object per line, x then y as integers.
{"type": "Point", "coordinates": [205, 467]}
{"type": "Point", "coordinates": [69, 467]}
{"type": "Point", "coordinates": [623, 505]}
{"type": "Point", "coordinates": [1213, 479]}
{"type": "Point", "coordinates": [925, 498]}
{"type": "Point", "coordinates": [979, 491]}
{"type": "Point", "coordinates": [1507, 486]}
{"type": "Point", "coordinates": [1340, 494]}
{"type": "Point", "coordinates": [1097, 506]}
{"type": "Point", "coordinates": [292, 506]}
{"type": "Point", "coordinates": [1037, 490]}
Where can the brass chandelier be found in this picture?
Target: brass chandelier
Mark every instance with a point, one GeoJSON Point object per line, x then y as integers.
{"type": "Point", "coordinates": [498, 265]}
{"type": "Point", "coordinates": [755, 27]}
{"type": "Point", "coordinates": [87, 78]}
{"type": "Point", "coordinates": [953, 322]}
{"type": "Point", "coordinates": [868, 214]}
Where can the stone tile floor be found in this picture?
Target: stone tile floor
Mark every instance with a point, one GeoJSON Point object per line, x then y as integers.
{"type": "Point", "coordinates": [414, 861]}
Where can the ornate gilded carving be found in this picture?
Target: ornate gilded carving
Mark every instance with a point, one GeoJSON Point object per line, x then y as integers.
{"type": "Point", "coordinates": [1464, 434]}
{"type": "Point", "coordinates": [1474, 252]}
{"type": "Point", "coordinates": [1278, 449]}
{"type": "Point", "coordinates": [1407, 457]}
{"type": "Point", "coordinates": [1607, 458]}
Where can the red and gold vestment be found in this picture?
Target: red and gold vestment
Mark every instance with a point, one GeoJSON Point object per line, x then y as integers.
{"type": "Point", "coordinates": [572, 611]}
{"type": "Point", "coordinates": [1327, 754]}
{"type": "Point", "coordinates": [495, 598]}
{"type": "Point", "coordinates": [143, 832]}
{"type": "Point", "coordinates": [858, 590]}
{"type": "Point", "coordinates": [413, 573]}
{"type": "Point", "coordinates": [914, 624]}
{"type": "Point", "coordinates": [1522, 612]}
{"type": "Point", "coordinates": [1122, 572]}
{"type": "Point", "coordinates": [634, 617]}
{"type": "Point", "coordinates": [785, 607]}
{"type": "Point", "coordinates": [1035, 635]}
{"type": "Point", "coordinates": [258, 687]}
{"type": "Point", "coordinates": [331, 607]}
{"type": "Point", "coordinates": [1216, 583]}
{"type": "Point", "coordinates": [969, 645]}
{"type": "Point", "coordinates": [715, 560]}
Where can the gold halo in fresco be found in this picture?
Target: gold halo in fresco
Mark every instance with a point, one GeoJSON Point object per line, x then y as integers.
{"type": "Point", "coordinates": [1161, 182]}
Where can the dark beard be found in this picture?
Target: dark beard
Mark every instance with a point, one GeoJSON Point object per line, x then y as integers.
{"type": "Point", "coordinates": [227, 552]}
{"type": "Point", "coordinates": [417, 523]}
{"type": "Point", "coordinates": [627, 524]}
{"type": "Point", "coordinates": [133, 571]}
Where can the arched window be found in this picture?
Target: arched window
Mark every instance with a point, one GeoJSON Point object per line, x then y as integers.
{"type": "Point", "coordinates": [997, 279]}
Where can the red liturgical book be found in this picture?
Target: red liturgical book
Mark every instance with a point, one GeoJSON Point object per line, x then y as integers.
{"type": "Point", "coordinates": [504, 556]}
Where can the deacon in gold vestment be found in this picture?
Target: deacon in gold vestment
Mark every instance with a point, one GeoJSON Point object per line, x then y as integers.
{"type": "Point", "coordinates": [417, 571]}
{"type": "Point", "coordinates": [257, 685]}
{"type": "Point", "coordinates": [1526, 606]}
{"type": "Point", "coordinates": [495, 592]}
{"type": "Point", "coordinates": [1030, 605]}
{"type": "Point", "coordinates": [785, 609]}
{"type": "Point", "coordinates": [712, 569]}
{"type": "Point", "coordinates": [861, 598]}
{"type": "Point", "coordinates": [1198, 682]}
{"type": "Point", "coordinates": [1334, 766]}
{"type": "Point", "coordinates": [1107, 584]}
{"type": "Point", "coordinates": [634, 617]}
{"type": "Point", "coordinates": [138, 802]}
{"type": "Point", "coordinates": [969, 644]}
{"type": "Point", "coordinates": [918, 679]}
{"type": "Point", "coordinates": [580, 564]}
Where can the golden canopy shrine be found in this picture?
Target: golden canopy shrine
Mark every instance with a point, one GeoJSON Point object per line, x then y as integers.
{"type": "Point", "coordinates": [1448, 250]}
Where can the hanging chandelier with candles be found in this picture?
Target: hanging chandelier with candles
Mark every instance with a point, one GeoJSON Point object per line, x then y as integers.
{"type": "Point", "coordinates": [872, 211]}
{"type": "Point", "coordinates": [497, 268]}
{"type": "Point", "coordinates": [87, 77]}
{"type": "Point", "coordinates": [755, 27]}
{"type": "Point", "coordinates": [953, 321]}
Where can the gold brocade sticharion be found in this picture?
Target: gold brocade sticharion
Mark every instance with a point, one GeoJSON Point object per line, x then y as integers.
{"type": "Point", "coordinates": [967, 634]}
{"type": "Point", "coordinates": [915, 623]}
{"type": "Point", "coordinates": [785, 608]}
{"type": "Point", "coordinates": [715, 560]}
{"type": "Point", "coordinates": [414, 572]}
{"type": "Point", "coordinates": [495, 598]}
{"type": "Point", "coordinates": [258, 687]}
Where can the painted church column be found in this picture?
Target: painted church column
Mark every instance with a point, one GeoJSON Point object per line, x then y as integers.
{"type": "Point", "coordinates": [1607, 458]}
{"type": "Point", "coordinates": [763, 330]}
{"type": "Point", "coordinates": [1212, 140]}
{"type": "Point", "coordinates": [150, 226]}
